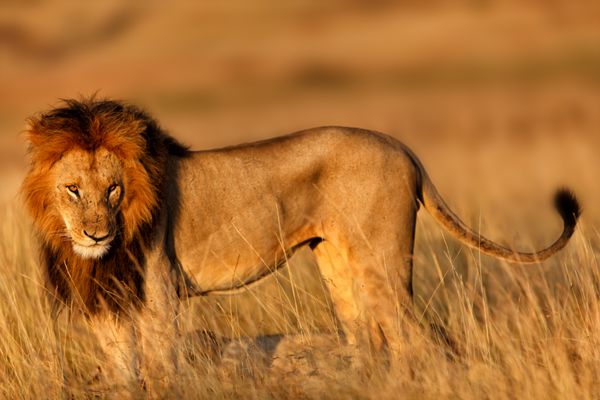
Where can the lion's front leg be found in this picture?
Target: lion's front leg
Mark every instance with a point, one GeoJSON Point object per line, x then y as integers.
{"type": "Point", "coordinates": [117, 337]}
{"type": "Point", "coordinates": [158, 326]}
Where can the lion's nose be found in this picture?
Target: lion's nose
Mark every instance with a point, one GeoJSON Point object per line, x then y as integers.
{"type": "Point", "coordinates": [95, 238]}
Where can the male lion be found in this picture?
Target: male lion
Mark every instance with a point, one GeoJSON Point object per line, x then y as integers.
{"type": "Point", "coordinates": [130, 221]}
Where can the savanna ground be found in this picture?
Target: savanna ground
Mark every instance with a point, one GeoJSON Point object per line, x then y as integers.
{"type": "Point", "coordinates": [501, 103]}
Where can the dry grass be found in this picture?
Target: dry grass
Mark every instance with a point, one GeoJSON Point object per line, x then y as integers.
{"type": "Point", "coordinates": [519, 332]}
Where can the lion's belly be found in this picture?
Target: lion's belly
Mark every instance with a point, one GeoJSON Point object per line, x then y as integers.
{"type": "Point", "coordinates": [224, 249]}
{"type": "Point", "coordinates": [232, 257]}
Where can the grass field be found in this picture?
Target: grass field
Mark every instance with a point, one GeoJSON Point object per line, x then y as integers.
{"type": "Point", "coordinates": [520, 332]}
{"type": "Point", "coordinates": [502, 104]}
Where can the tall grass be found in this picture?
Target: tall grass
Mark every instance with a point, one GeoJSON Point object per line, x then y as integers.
{"type": "Point", "coordinates": [518, 332]}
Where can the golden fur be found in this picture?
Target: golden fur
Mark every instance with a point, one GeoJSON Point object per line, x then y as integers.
{"type": "Point", "coordinates": [168, 223]}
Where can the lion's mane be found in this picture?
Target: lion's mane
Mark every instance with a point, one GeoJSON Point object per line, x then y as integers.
{"type": "Point", "coordinates": [115, 280]}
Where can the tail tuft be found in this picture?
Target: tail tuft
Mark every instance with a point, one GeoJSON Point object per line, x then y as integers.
{"type": "Point", "coordinates": [567, 206]}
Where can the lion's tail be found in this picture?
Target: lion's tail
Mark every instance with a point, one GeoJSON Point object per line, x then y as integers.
{"type": "Point", "coordinates": [565, 202]}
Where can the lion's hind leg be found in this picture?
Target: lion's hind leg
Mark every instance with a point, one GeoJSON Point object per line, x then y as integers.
{"type": "Point", "coordinates": [372, 294]}
{"type": "Point", "coordinates": [333, 265]}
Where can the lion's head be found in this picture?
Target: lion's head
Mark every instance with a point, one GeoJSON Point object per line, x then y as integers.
{"type": "Point", "coordinates": [87, 195]}
{"type": "Point", "coordinates": [93, 187]}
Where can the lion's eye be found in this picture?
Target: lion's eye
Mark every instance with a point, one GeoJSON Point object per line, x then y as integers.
{"type": "Point", "coordinates": [73, 189]}
{"type": "Point", "coordinates": [112, 189]}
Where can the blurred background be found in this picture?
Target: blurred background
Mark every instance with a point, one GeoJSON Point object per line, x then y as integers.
{"type": "Point", "coordinates": [501, 100]}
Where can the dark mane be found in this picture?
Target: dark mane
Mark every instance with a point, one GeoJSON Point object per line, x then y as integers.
{"type": "Point", "coordinates": [114, 281]}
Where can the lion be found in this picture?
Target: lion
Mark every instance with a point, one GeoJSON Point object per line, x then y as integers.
{"type": "Point", "coordinates": [131, 222]}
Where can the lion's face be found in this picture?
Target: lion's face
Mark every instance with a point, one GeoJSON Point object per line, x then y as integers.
{"type": "Point", "coordinates": [88, 193]}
